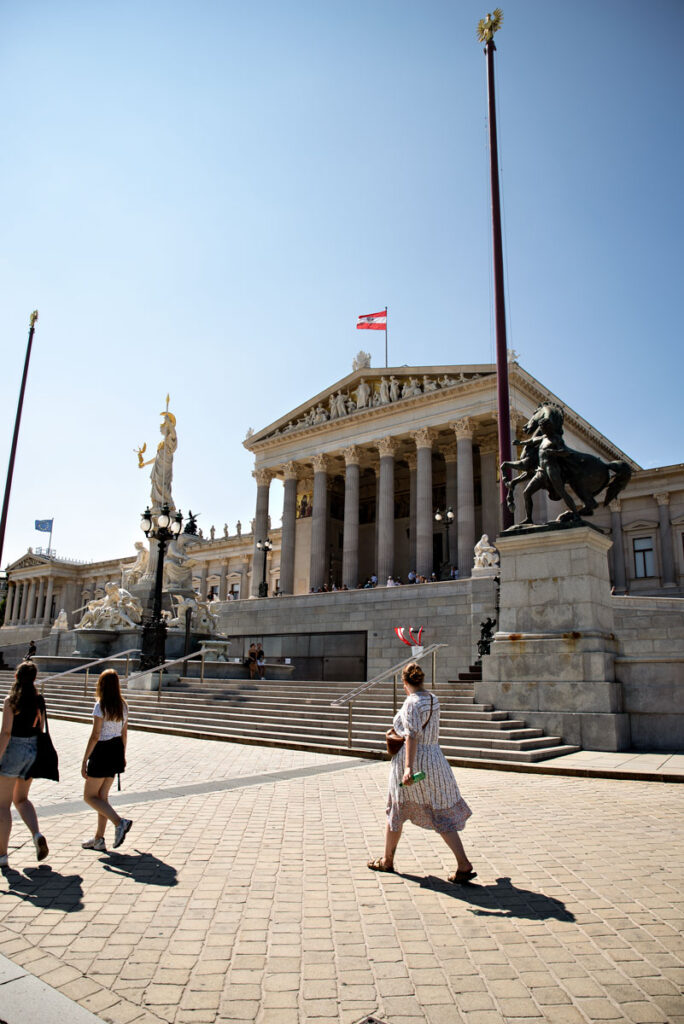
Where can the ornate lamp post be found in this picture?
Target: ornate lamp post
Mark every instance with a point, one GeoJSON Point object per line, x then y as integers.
{"type": "Point", "coordinates": [447, 518]}
{"type": "Point", "coordinates": [154, 627]}
{"type": "Point", "coordinates": [265, 546]}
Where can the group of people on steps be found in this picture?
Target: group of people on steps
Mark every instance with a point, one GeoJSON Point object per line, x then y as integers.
{"type": "Point", "coordinates": [23, 719]}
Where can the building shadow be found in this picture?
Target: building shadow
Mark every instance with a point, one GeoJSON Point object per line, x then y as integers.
{"type": "Point", "coordinates": [45, 888]}
{"type": "Point", "coordinates": [144, 868]}
{"type": "Point", "coordinates": [503, 899]}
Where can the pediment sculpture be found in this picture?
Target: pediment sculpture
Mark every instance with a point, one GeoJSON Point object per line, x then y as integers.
{"type": "Point", "coordinates": [118, 609]}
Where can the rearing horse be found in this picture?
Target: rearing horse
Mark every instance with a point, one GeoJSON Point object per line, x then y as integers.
{"type": "Point", "coordinates": [550, 465]}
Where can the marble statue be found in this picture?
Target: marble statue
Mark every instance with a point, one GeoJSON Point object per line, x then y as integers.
{"type": "Point", "coordinates": [320, 415]}
{"type": "Point", "coordinates": [332, 408]}
{"type": "Point", "coordinates": [548, 464]}
{"type": "Point", "coordinates": [384, 393]}
{"type": "Point", "coordinates": [177, 564]}
{"type": "Point", "coordinates": [61, 622]}
{"type": "Point", "coordinates": [162, 470]}
{"type": "Point", "coordinates": [118, 609]}
{"type": "Point", "coordinates": [362, 361]}
{"type": "Point", "coordinates": [204, 619]}
{"type": "Point", "coordinates": [411, 388]}
{"type": "Point", "coordinates": [428, 384]}
{"type": "Point", "coordinates": [250, 432]}
{"type": "Point", "coordinates": [363, 393]}
{"type": "Point", "coordinates": [446, 382]}
{"type": "Point", "coordinates": [486, 555]}
{"type": "Point", "coordinates": [341, 404]}
{"type": "Point", "coordinates": [225, 531]}
{"type": "Point", "coordinates": [212, 532]}
{"type": "Point", "coordinates": [135, 573]}
{"type": "Point", "coordinates": [394, 389]}
{"type": "Point", "coordinates": [238, 528]}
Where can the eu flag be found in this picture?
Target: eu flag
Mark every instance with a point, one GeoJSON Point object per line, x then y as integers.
{"type": "Point", "coordinates": [44, 525]}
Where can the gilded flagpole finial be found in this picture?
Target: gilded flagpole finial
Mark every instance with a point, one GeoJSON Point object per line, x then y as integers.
{"type": "Point", "coordinates": [33, 318]}
{"type": "Point", "coordinates": [486, 27]}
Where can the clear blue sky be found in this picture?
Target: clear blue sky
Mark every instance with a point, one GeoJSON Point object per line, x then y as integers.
{"type": "Point", "coordinates": [201, 198]}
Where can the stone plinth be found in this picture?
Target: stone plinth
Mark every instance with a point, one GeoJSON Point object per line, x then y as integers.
{"type": "Point", "coordinates": [553, 659]}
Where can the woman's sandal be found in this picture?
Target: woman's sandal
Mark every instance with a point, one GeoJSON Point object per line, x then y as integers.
{"type": "Point", "coordinates": [379, 865]}
{"type": "Point", "coordinates": [461, 877]}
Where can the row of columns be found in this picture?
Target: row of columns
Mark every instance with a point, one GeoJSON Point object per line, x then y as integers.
{"type": "Point", "coordinates": [27, 605]}
{"type": "Point", "coordinates": [460, 492]}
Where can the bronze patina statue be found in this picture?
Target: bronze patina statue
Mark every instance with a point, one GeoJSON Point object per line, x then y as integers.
{"type": "Point", "coordinates": [548, 464]}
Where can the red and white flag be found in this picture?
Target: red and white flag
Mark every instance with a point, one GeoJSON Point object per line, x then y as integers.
{"type": "Point", "coordinates": [372, 322]}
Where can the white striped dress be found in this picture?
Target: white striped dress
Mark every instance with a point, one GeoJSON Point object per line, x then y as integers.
{"type": "Point", "coordinates": [435, 802]}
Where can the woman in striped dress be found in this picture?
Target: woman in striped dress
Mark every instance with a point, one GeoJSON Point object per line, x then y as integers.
{"type": "Point", "coordinates": [435, 802]}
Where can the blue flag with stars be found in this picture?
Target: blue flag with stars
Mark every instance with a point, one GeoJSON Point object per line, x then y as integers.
{"type": "Point", "coordinates": [44, 525]}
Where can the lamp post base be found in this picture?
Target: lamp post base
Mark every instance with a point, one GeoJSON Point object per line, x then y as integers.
{"type": "Point", "coordinates": [153, 643]}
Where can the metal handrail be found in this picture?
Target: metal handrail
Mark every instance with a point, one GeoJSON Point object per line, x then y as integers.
{"type": "Point", "coordinates": [394, 671]}
{"type": "Point", "coordinates": [167, 664]}
{"type": "Point", "coordinates": [87, 667]}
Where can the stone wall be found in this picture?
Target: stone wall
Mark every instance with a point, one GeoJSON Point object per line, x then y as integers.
{"type": "Point", "coordinates": [451, 612]}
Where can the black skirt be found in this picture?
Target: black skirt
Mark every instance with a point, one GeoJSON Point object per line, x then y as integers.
{"type": "Point", "coordinates": [107, 759]}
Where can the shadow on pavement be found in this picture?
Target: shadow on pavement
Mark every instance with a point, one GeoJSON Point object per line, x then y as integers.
{"type": "Point", "coordinates": [141, 867]}
{"type": "Point", "coordinates": [500, 900]}
{"type": "Point", "coordinates": [45, 888]}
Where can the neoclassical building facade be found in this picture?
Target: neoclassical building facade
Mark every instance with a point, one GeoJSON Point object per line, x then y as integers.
{"type": "Point", "coordinates": [364, 466]}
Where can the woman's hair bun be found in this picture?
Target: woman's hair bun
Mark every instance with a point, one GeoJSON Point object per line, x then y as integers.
{"type": "Point", "coordinates": [414, 675]}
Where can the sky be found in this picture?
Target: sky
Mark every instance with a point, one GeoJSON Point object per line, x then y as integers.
{"type": "Point", "coordinates": [200, 200]}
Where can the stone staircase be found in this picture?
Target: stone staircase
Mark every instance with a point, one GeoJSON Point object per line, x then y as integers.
{"type": "Point", "coordinates": [299, 715]}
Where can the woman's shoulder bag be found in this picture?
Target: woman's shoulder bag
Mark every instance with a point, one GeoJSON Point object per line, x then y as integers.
{"type": "Point", "coordinates": [395, 742]}
{"type": "Point", "coordinates": [46, 764]}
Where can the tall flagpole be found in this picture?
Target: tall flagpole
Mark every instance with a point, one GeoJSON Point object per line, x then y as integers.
{"type": "Point", "coordinates": [15, 438]}
{"type": "Point", "coordinates": [485, 33]}
{"type": "Point", "coordinates": [386, 363]}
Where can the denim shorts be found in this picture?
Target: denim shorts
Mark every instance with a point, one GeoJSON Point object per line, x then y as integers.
{"type": "Point", "coordinates": [19, 757]}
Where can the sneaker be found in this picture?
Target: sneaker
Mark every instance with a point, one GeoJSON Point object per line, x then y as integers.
{"type": "Point", "coordinates": [121, 830]}
{"type": "Point", "coordinates": [41, 846]}
{"type": "Point", "coordinates": [4, 861]}
{"type": "Point", "coordinates": [97, 843]}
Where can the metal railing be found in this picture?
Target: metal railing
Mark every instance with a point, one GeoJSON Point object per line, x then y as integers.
{"type": "Point", "coordinates": [166, 665]}
{"type": "Point", "coordinates": [87, 667]}
{"type": "Point", "coordinates": [349, 698]}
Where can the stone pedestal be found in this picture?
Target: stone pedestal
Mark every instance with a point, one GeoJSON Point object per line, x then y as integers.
{"type": "Point", "coordinates": [552, 661]}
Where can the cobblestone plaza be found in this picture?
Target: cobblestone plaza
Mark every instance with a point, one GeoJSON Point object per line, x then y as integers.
{"type": "Point", "coordinates": [241, 894]}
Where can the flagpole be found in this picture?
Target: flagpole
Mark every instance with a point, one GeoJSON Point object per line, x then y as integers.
{"type": "Point", "coordinates": [486, 29]}
{"type": "Point", "coordinates": [386, 363]}
{"type": "Point", "coordinates": [15, 437]}
{"type": "Point", "coordinates": [50, 540]}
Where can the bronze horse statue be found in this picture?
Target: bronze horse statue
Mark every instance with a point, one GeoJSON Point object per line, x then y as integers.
{"type": "Point", "coordinates": [548, 464]}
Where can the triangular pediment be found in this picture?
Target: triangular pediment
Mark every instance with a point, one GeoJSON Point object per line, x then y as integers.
{"type": "Point", "coordinates": [368, 389]}
{"type": "Point", "coordinates": [28, 561]}
{"type": "Point", "coordinates": [640, 524]}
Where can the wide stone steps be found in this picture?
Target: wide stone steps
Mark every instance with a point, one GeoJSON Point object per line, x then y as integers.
{"type": "Point", "coordinates": [270, 712]}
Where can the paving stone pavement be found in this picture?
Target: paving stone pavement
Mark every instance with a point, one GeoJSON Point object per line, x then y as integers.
{"type": "Point", "coordinates": [253, 904]}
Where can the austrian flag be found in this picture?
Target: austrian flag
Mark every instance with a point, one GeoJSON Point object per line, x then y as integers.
{"type": "Point", "coordinates": [372, 322]}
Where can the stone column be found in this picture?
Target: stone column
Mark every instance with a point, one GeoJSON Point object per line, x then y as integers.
{"type": "Point", "coordinates": [491, 514]}
{"type": "Point", "coordinates": [48, 601]}
{"type": "Point", "coordinates": [12, 597]}
{"type": "Point", "coordinates": [450, 465]}
{"type": "Point", "coordinates": [203, 573]}
{"type": "Point", "coordinates": [24, 601]}
{"type": "Point", "coordinates": [424, 520]}
{"type": "Point", "coordinates": [412, 465]}
{"type": "Point", "coordinates": [287, 550]}
{"type": "Point", "coordinates": [350, 541]}
{"type": "Point", "coordinates": [223, 571]}
{"type": "Point", "coordinates": [464, 430]}
{"type": "Point", "coordinates": [263, 479]}
{"type": "Point", "coordinates": [38, 616]}
{"type": "Point", "coordinates": [619, 574]}
{"type": "Point", "coordinates": [386, 448]}
{"type": "Point", "coordinates": [666, 550]}
{"type": "Point", "coordinates": [319, 522]}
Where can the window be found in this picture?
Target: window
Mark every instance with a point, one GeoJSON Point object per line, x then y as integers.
{"type": "Point", "coordinates": [644, 560]}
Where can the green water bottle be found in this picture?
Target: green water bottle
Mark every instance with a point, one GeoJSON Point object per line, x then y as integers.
{"type": "Point", "coordinates": [416, 777]}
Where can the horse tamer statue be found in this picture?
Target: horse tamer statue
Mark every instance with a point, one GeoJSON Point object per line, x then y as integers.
{"type": "Point", "coordinates": [549, 465]}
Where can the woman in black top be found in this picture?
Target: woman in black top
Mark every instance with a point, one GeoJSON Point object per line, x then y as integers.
{"type": "Point", "coordinates": [23, 715]}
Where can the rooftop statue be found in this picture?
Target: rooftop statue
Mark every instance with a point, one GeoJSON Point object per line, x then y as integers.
{"type": "Point", "coordinates": [362, 361]}
{"type": "Point", "coordinates": [549, 465]}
